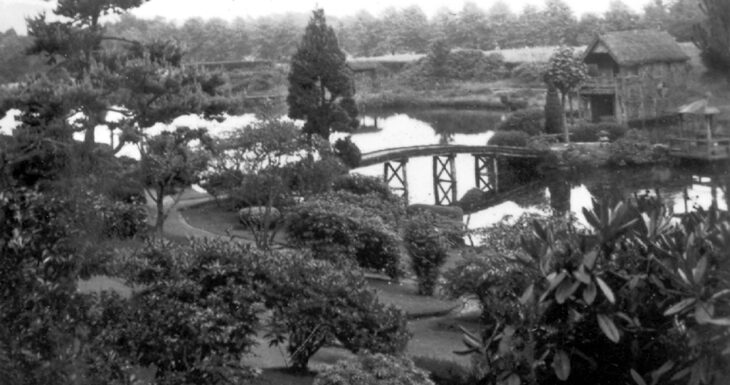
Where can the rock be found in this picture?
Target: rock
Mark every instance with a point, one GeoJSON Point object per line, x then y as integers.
{"type": "Point", "coordinates": [255, 215]}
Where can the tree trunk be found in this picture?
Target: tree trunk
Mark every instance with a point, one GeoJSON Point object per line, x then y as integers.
{"type": "Point", "coordinates": [565, 126]}
{"type": "Point", "coordinates": [160, 203]}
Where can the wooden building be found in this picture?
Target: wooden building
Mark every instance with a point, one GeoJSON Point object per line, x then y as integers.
{"type": "Point", "coordinates": [633, 75]}
{"type": "Point", "coordinates": [698, 137]}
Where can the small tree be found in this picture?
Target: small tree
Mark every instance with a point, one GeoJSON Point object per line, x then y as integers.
{"type": "Point", "coordinates": [565, 72]}
{"type": "Point", "coordinates": [320, 86]}
{"type": "Point", "coordinates": [169, 163]}
{"type": "Point", "coordinates": [261, 165]}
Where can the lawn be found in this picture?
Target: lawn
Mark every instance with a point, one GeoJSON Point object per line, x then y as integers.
{"type": "Point", "coordinates": [221, 219]}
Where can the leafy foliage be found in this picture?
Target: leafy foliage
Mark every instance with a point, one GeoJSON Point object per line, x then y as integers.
{"type": "Point", "coordinates": [711, 35]}
{"type": "Point", "coordinates": [314, 302]}
{"type": "Point", "coordinates": [642, 290]}
{"type": "Point", "coordinates": [348, 152]}
{"type": "Point", "coordinates": [427, 247]}
{"type": "Point", "coordinates": [320, 87]}
{"type": "Point", "coordinates": [634, 148]}
{"type": "Point", "coordinates": [347, 225]}
{"type": "Point", "coordinates": [514, 138]}
{"type": "Point", "coordinates": [373, 369]}
{"type": "Point", "coordinates": [363, 185]}
{"type": "Point", "coordinates": [553, 112]}
{"type": "Point", "coordinates": [530, 121]}
{"type": "Point", "coordinates": [592, 132]}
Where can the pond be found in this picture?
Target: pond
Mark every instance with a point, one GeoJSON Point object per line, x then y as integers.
{"type": "Point", "coordinates": [680, 188]}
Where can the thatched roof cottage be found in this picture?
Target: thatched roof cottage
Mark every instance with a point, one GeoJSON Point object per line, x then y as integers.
{"type": "Point", "coordinates": [633, 75]}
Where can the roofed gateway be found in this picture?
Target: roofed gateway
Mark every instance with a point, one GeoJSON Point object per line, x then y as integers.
{"type": "Point", "coordinates": [633, 75]}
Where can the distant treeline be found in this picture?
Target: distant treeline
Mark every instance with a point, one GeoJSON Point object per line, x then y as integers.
{"type": "Point", "coordinates": [393, 31]}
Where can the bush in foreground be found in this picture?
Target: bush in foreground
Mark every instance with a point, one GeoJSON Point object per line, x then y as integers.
{"type": "Point", "coordinates": [374, 369]}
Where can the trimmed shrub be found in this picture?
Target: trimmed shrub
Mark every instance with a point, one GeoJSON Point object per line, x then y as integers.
{"type": "Point", "coordinates": [121, 220]}
{"type": "Point", "coordinates": [374, 369]}
{"type": "Point", "coordinates": [529, 72]}
{"type": "Point", "coordinates": [530, 121]}
{"type": "Point", "coordinates": [445, 371]}
{"type": "Point", "coordinates": [348, 152]}
{"type": "Point", "coordinates": [592, 132]}
{"type": "Point", "coordinates": [509, 138]}
{"type": "Point", "coordinates": [427, 247]}
{"type": "Point", "coordinates": [634, 149]}
{"type": "Point", "coordinates": [472, 199]}
{"type": "Point", "coordinates": [362, 184]}
{"type": "Point", "coordinates": [314, 303]}
{"type": "Point", "coordinates": [553, 112]}
{"type": "Point", "coordinates": [334, 229]}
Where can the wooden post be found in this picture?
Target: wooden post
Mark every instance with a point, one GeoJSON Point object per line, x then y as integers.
{"type": "Point", "coordinates": [397, 174]}
{"type": "Point", "coordinates": [452, 161]}
{"type": "Point", "coordinates": [496, 175]}
{"type": "Point", "coordinates": [482, 173]}
{"type": "Point", "coordinates": [444, 189]}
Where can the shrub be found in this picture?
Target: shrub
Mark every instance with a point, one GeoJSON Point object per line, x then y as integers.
{"type": "Point", "coordinates": [362, 184]}
{"type": "Point", "coordinates": [119, 219]}
{"type": "Point", "coordinates": [445, 371]}
{"type": "Point", "coordinates": [374, 369]}
{"type": "Point", "coordinates": [614, 297]}
{"type": "Point", "coordinates": [348, 152]}
{"type": "Point", "coordinates": [427, 247]}
{"type": "Point", "coordinates": [472, 199]}
{"type": "Point", "coordinates": [529, 72]}
{"type": "Point", "coordinates": [634, 149]}
{"type": "Point", "coordinates": [592, 132]}
{"type": "Point", "coordinates": [530, 121]}
{"type": "Point", "coordinates": [314, 302]}
{"type": "Point", "coordinates": [194, 319]}
{"type": "Point", "coordinates": [553, 112]}
{"type": "Point", "coordinates": [334, 229]}
{"type": "Point", "coordinates": [509, 138]}
{"type": "Point", "coordinates": [391, 211]}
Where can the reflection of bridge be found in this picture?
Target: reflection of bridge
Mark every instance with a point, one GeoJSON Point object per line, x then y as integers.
{"type": "Point", "coordinates": [486, 172]}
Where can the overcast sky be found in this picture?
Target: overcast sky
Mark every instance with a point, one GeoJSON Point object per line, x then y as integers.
{"type": "Point", "coordinates": [13, 12]}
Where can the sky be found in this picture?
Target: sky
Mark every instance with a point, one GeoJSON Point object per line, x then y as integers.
{"type": "Point", "coordinates": [13, 12]}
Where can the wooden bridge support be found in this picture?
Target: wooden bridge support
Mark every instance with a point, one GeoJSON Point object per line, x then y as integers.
{"type": "Point", "coordinates": [444, 179]}
{"type": "Point", "coordinates": [486, 172]}
{"type": "Point", "coordinates": [398, 175]}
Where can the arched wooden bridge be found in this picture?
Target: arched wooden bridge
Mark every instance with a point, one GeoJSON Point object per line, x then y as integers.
{"type": "Point", "coordinates": [444, 166]}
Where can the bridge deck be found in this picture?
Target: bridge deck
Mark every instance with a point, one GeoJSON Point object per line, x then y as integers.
{"type": "Point", "coordinates": [391, 154]}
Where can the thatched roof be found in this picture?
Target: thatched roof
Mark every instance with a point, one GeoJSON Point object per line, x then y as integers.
{"type": "Point", "coordinates": [636, 47]}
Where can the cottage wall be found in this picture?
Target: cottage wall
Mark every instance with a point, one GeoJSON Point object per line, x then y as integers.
{"type": "Point", "coordinates": [650, 91]}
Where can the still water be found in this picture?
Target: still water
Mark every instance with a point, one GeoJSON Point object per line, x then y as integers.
{"type": "Point", "coordinates": [680, 188]}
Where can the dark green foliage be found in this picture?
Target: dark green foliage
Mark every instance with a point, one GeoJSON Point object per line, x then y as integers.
{"type": "Point", "coordinates": [529, 73]}
{"type": "Point", "coordinates": [437, 59]}
{"type": "Point", "coordinates": [374, 369]}
{"type": "Point", "coordinates": [362, 185]}
{"type": "Point", "coordinates": [121, 219]}
{"type": "Point", "coordinates": [315, 302]}
{"type": "Point", "coordinates": [636, 296]}
{"type": "Point", "coordinates": [509, 138]}
{"type": "Point", "coordinates": [348, 152]}
{"type": "Point", "coordinates": [553, 112]}
{"type": "Point", "coordinates": [337, 226]}
{"type": "Point", "coordinates": [427, 247]}
{"type": "Point", "coordinates": [530, 121]}
{"type": "Point", "coordinates": [634, 149]}
{"type": "Point", "coordinates": [195, 317]}
{"type": "Point", "coordinates": [712, 35]}
{"type": "Point", "coordinates": [320, 87]}
{"type": "Point", "coordinates": [472, 199]}
{"type": "Point", "coordinates": [459, 65]}
{"type": "Point", "coordinates": [592, 132]}
{"type": "Point", "coordinates": [446, 371]}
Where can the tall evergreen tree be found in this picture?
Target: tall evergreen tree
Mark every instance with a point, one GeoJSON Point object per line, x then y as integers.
{"type": "Point", "coordinates": [713, 36]}
{"type": "Point", "coordinates": [321, 89]}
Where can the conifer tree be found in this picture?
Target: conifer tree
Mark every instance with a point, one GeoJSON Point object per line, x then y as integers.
{"type": "Point", "coordinates": [321, 89]}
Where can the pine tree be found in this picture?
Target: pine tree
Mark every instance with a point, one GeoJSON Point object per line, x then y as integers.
{"type": "Point", "coordinates": [321, 89]}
